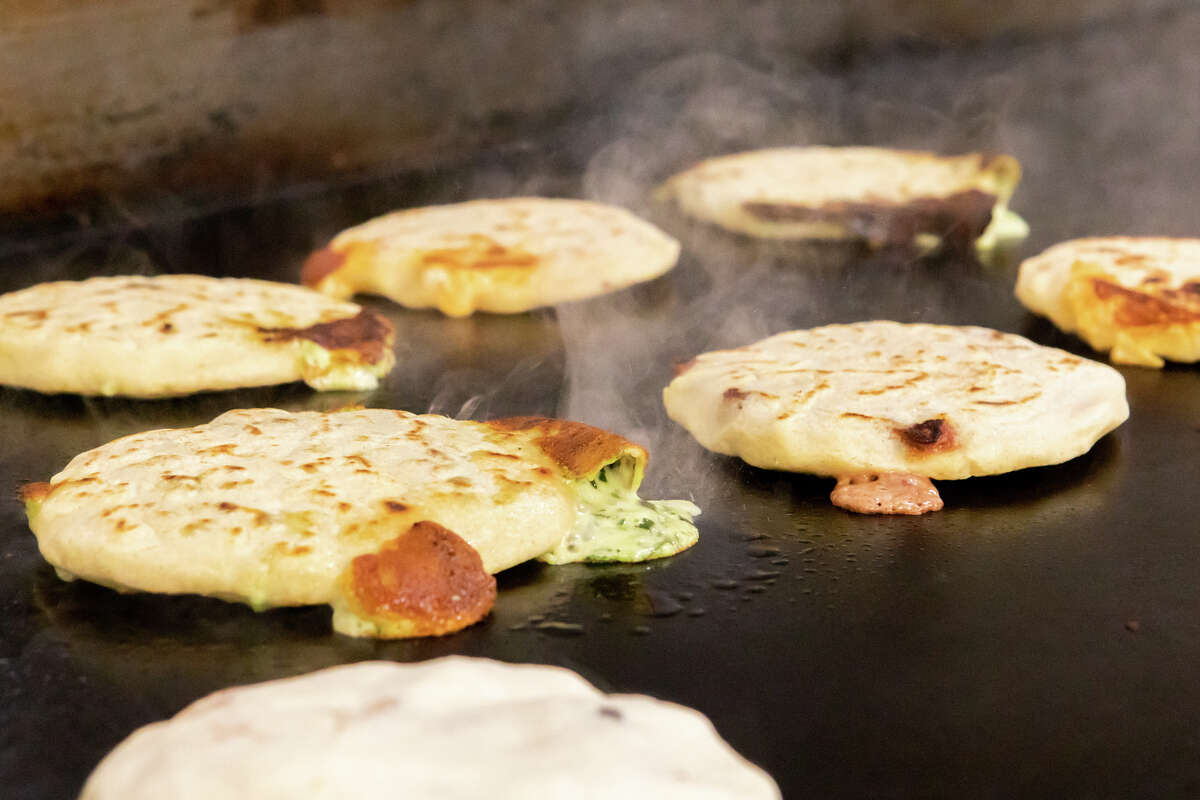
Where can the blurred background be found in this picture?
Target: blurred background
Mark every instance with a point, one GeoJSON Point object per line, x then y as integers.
{"type": "Point", "coordinates": [114, 113]}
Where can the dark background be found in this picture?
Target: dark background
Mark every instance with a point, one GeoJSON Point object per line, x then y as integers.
{"type": "Point", "coordinates": [1037, 638]}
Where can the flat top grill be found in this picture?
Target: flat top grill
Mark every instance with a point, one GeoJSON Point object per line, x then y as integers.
{"type": "Point", "coordinates": [1037, 637]}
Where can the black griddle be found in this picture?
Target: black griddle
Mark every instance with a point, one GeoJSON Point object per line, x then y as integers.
{"type": "Point", "coordinates": [1038, 637]}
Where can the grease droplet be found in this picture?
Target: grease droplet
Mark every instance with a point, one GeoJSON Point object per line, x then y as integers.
{"type": "Point", "coordinates": [762, 575]}
{"type": "Point", "coordinates": [662, 604]}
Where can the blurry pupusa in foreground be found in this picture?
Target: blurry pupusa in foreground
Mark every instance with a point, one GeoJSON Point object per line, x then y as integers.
{"type": "Point", "coordinates": [450, 729]}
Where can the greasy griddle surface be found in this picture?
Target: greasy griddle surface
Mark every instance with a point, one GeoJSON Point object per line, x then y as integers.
{"type": "Point", "coordinates": [1039, 637]}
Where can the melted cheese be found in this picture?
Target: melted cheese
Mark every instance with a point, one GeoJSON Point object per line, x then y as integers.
{"type": "Point", "coordinates": [325, 370]}
{"type": "Point", "coordinates": [613, 524]}
{"type": "Point", "coordinates": [1007, 227]}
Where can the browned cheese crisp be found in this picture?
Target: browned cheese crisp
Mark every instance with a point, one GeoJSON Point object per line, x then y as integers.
{"type": "Point", "coordinates": [426, 582]}
{"type": "Point", "coordinates": [886, 493]}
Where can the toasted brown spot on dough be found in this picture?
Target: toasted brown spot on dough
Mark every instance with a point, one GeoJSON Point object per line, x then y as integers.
{"type": "Point", "coordinates": [34, 492]}
{"type": "Point", "coordinates": [395, 507]}
{"type": "Point", "coordinates": [426, 582]}
{"type": "Point", "coordinates": [37, 315]}
{"type": "Point", "coordinates": [320, 265]}
{"type": "Point", "coordinates": [734, 393]}
{"type": "Point", "coordinates": [684, 367]}
{"type": "Point", "coordinates": [931, 436]}
{"type": "Point", "coordinates": [578, 448]}
{"type": "Point", "coordinates": [367, 335]}
{"type": "Point", "coordinates": [1152, 306]}
{"type": "Point", "coordinates": [481, 252]}
{"type": "Point", "coordinates": [886, 493]}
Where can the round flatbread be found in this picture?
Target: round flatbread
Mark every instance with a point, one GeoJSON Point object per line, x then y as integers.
{"type": "Point", "coordinates": [449, 729]}
{"type": "Point", "coordinates": [504, 256]}
{"type": "Point", "coordinates": [170, 335]}
{"type": "Point", "coordinates": [1137, 297]}
{"type": "Point", "coordinates": [888, 197]}
{"type": "Point", "coordinates": [273, 508]}
{"type": "Point", "coordinates": [936, 401]}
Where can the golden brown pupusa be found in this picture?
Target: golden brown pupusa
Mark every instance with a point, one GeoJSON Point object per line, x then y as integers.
{"type": "Point", "coordinates": [1136, 297]}
{"type": "Point", "coordinates": [384, 514]}
{"type": "Point", "coordinates": [937, 401]}
{"type": "Point", "coordinates": [178, 334]}
{"type": "Point", "coordinates": [504, 255]}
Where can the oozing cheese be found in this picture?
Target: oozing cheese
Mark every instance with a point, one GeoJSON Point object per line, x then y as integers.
{"type": "Point", "coordinates": [613, 524]}
{"type": "Point", "coordinates": [324, 370]}
{"type": "Point", "coordinates": [1006, 227]}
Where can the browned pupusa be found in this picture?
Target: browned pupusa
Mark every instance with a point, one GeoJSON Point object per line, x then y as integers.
{"type": "Point", "coordinates": [395, 519]}
{"type": "Point", "coordinates": [178, 334]}
{"type": "Point", "coordinates": [932, 401]}
{"type": "Point", "coordinates": [504, 255]}
{"type": "Point", "coordinates": [883, 196]}
{"type": "Point", "coordinates": [1136, 297]}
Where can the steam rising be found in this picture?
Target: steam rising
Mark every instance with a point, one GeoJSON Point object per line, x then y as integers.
{"type": "Point", "coordinates": [1102, 121]}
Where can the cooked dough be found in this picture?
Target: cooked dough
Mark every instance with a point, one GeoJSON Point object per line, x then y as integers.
{"type": "Point", "coordinates": [179, 334]}
{"type": "Point", "coordinates": [504, 256]}
{"type": "Point", "coordinates": [450, 729]}
{"type": "Point", "coordinates": [936, 401]}
{"type": "Point", "coordinates": [1138, 298]}
{"type": "Point", "coordinates": [272, 508]}
{"type": "Point", "coordinates": [888, 197]}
